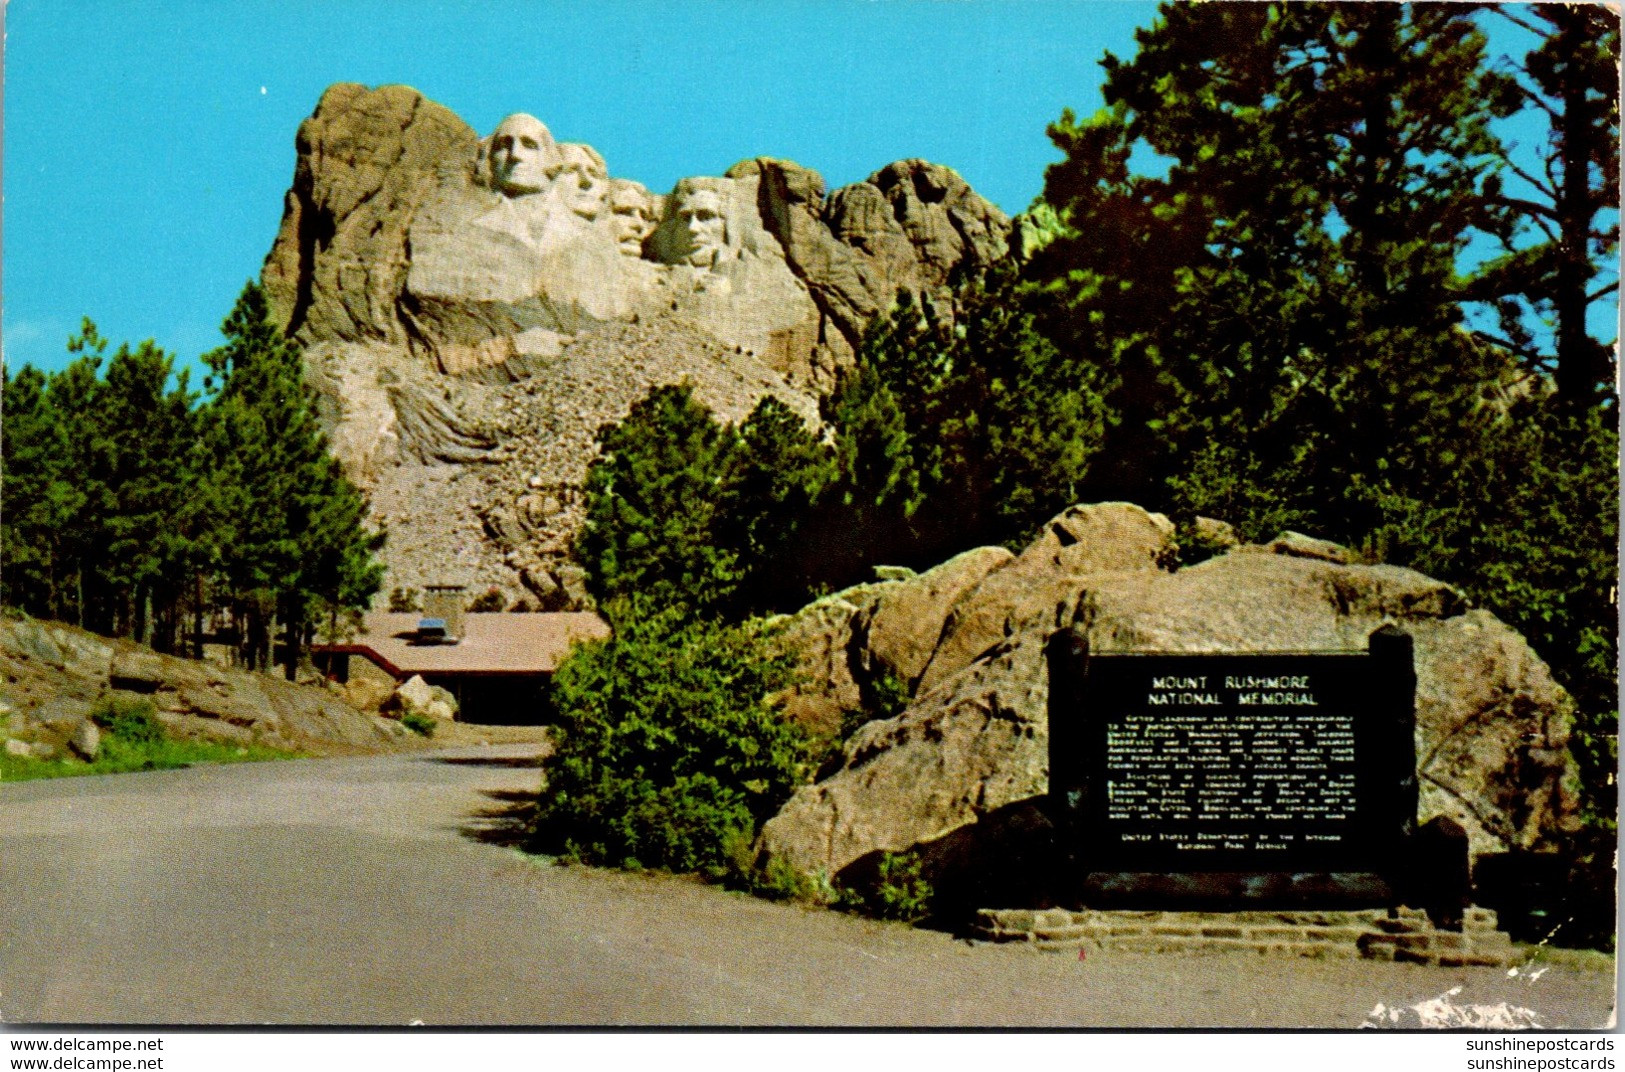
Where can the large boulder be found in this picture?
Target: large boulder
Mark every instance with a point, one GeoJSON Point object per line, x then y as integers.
{"type": "Point", "coordinates": [960, 775]}
{"type": "Point", "coordinates": [87, 740]}
{"type": "Point", "coordinates": [900, 632]}
{"type": "Point", "coordinates": [825, 690]}
{"type": "Point", "coordinates": [1082, 541]}
{"type": "Point", "coordinates": [417, 697]}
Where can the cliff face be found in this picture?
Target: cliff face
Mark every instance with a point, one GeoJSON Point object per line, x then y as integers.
{"type": "Point", "coordinates": [472, 310]}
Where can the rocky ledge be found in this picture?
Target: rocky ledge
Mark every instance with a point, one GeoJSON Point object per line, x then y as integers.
{"type": "Point", "coordinates": [960, 775]}
{"type": "Point", "coordinates": [55, 675]}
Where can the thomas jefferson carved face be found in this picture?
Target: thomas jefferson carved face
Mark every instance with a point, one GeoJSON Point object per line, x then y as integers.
{"type": "Point", "coordinates": [582, 180]}
{"type": "Point", "coordinates": [521, 156]}
{"type": "Point", "coordinates": [632, 211]}
{"type": "Point", "coordinates": [703, 229]}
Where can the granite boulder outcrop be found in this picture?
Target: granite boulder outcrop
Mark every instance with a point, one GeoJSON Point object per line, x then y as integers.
{"type": "Point", "coordinates": [959, 777]}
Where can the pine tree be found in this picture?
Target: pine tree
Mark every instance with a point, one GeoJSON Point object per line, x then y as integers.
{"type": "Point", "coordinates": [778, 474]}
{"type": "Point", "coordinates": [1281, 312]}
{"type": "Point", "coordinates": [145, 429]}
{"type": "Point", "coordinates": [80, 496]}
{"type": "Point", "coordinates": [652, 497]}
{"type": "Point", "coordinates": [286, 527]}
{"type": "Point", "coordinates": [1571, 78]}
{"type": "Point", "coordinates": [32, 481]}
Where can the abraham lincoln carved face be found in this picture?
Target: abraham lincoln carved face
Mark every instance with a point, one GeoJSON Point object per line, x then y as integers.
{"type": "Point", "coordinates": [703, 234]}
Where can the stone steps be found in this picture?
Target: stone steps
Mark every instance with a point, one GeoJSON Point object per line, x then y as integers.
{"type": "Point", "coordinates": [1401, 934]}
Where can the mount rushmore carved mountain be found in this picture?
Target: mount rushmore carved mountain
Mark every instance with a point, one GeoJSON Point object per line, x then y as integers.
{"type": "Point", "coordinates": [471, 310]}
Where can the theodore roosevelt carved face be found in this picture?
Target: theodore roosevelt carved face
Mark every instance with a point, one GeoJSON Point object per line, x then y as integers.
{"type": "Point", "coordinates": [632, 211]}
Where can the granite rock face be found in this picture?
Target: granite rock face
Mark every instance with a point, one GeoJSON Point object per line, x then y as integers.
{"type": "Point", "coordinates": [55, 675]}
{"type": "Point", "coordinates": [960, 774]}
{"type": "Point", "coordinates": [905, 228]}
{"type": "Point", "coordinates": [366, 160]}
{"type": "Point", "coordinates": [439, 282]}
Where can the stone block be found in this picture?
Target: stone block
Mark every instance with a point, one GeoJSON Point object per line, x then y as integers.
{"type": "Point", "coordinates": [1052, 917]}
{"type": "Point", "coordinates": [1414, 956]}
{"type": "Point", "coordinates": [86, 740]}
{"type": "Point", "coordinates": [1344, 935]}
{"type": "Point", "coordinates": [136, 670]}
{"type": "Point", "coordinates": [1469, 960]}
{"type": "Point", "coordinates": [1011, 919]}
{"type": "Point", "coordinates": [1403, 926]}
{"type": "Point", "coordinates": [1395, 941]}
{"type": "Point", "coordinates": [1226, 945]}
{"type": "Point", "coordinates": [1274, 934]}
{"type": "Point", "coordinates": [1060, 934]}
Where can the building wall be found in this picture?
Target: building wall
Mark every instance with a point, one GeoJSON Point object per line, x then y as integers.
{"type": "Point", "coordinates": [500, 700]}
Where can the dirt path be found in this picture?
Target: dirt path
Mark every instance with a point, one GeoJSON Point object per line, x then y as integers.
{"type": "Point", "coordinates": [359, 891]}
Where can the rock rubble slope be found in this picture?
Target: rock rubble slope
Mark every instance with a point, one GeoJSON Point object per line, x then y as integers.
{"type": "Point", "coordinates": [472, 309]}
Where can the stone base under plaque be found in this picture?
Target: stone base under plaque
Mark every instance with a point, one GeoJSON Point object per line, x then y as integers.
{"type": "Point", "coordinates": [1220, 890]}
{"type": "Point", "coordinates": [1402, 934]}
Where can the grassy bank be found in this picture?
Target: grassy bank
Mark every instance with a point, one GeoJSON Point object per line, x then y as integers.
{"type": "Point", "coordinates": [132, 739]}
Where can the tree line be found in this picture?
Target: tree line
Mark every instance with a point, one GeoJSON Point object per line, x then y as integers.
{"type": "Point", "coordinates": [1254, 289]}
{"type": "Point", "coordinates": [133, 505]}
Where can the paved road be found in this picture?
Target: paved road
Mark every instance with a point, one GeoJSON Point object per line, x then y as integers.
{"type": "Point", "coordinates": [362, 892]}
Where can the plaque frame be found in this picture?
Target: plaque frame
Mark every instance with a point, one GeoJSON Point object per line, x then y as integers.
{"type": "Point", "coordinates": [1363, 856]}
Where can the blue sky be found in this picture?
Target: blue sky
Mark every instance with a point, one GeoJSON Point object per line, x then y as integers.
{"type": "Point", "coordinates": [148, 145]}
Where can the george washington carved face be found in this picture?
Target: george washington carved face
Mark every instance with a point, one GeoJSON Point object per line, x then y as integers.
{"type": "Point", "coordinates": [521, 156]}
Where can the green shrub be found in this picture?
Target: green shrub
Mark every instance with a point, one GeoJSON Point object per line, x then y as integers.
{"type": "Point", "coordinates": [133, 740]}
{"type": "Point", "coordinates": [670, 754]}
{"type": "Point", "coordinates": [887, 696]}
{"type": "Point", "coordinates": [779, 881]}
{"type": "Point", "coordinates": [132, 722]}
{"type": "Point", "coordinates": [901, 893]}
{"type": "Point", "coordinates": [418, 723]}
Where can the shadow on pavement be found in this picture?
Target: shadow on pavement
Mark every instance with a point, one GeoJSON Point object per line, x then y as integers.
{"type": "Point", "coordinates": [506, 823]}
{"type": "Point", "coordinates": [527, 762]}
